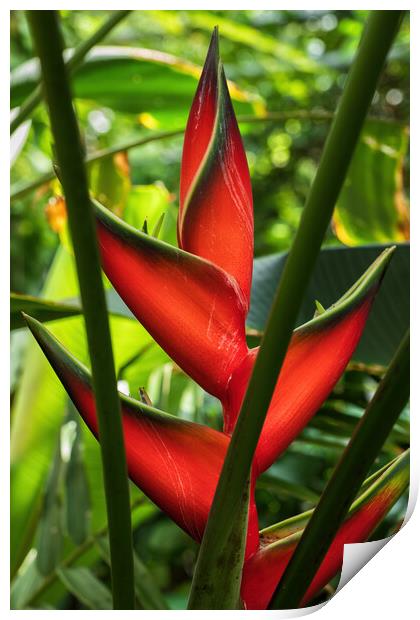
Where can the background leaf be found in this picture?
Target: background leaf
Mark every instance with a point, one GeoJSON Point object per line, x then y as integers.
{"type": "Point", "coordinates": [41, 309]}
{"type": "Point", "coordinates": [372, 206]}
{"type": "Point", "coordinates": [86, 587]}
{"type": "Point", "coordinates": [134, 80]}
{"type": "Point", "coordinates": [147, 593]}
{"type": "Point", "coordinates": [76, 486]}
{"type": "Point", "coordinates": [335, 270]}
{"type": "Point", "coordinates": [50, 533]}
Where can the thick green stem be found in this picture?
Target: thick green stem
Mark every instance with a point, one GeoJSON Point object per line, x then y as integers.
{"type": "Point", "coordinates": [360, 454]}
{"type": "Point", "coordinates": [342, 139]}
{"type": "Point", "coordinates": [76, 59]}
{"type": "Point", "coordinates": [48, 41]}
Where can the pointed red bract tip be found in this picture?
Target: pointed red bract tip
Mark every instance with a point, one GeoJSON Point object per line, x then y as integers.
{"type": "Point", "coordinates": [201, 120]}
{"type": "Point", "coordinates": [216, 216]}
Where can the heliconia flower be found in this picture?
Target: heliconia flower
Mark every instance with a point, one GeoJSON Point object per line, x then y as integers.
{"type": "Point", "coordinates": [193, 453]}
{"type": "Point", "coordinates": [194, 310]}
{"type": "Point", "coordinates": [194, 300]}
{"type": "Point", "coordinates": [262, 572]}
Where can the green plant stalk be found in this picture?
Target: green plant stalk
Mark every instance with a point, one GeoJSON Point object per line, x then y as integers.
{"type": "Point", "coordinates": [76, 59]}
{"type": "Point", "coordinates": [360, 454]}
{"type": "Point", "coordinates": [342, 139]}
{"type": "Point", "coordinates": [47, 37]}
{"type": "Point", "coordinates": [319, 116]}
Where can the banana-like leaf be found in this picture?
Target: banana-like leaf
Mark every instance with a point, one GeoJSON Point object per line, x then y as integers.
{"type": "Point", "coordinates": [132, 80]}
{"type": "Point", "coordinates": [372, 206]}
{"type": "Point", "coordinates": [216, 216]}
{"type": "Point", "coordinates": [264, 569]}
{"type": "Point", "coordinates": [152, 204]}
{"type": "Point", "coordinates": [317, 356]}
{"type": "Point", "coordinates": [174, 462]}
{"type": "Point", "coordinates": [335, 270]}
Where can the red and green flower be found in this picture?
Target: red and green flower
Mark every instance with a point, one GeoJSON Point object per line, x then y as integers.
{"type": "Point", "coordinates": [194, 301]}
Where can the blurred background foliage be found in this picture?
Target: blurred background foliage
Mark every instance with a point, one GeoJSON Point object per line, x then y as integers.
{"type": "Point", "coordinates": [287, 70]}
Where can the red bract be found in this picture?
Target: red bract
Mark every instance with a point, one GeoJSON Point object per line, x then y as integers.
{"type": "Point", "coordinates": [193, 301]}
{"type": "Point", "coordinates": [215, 216]}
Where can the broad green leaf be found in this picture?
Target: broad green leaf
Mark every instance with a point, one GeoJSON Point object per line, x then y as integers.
{"type": "Point", "coordinates": [87, 588]}
{"type": "Point", "coordinates": [372, 206]}
{"type": "Point", "coordinates": [41, 309]}
{"type": "Point", "coordinates": [37, 412]}
{"type": "Point", "coordinates": [147, 593]}
{"type": "Point", "coordinates": [332, 420]}
{"type": "Point", "coordinates": [335, 270]}
{"type": "Point", "coordinates": [131, 79]}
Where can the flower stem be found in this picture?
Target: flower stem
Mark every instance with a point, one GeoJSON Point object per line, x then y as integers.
{"type": "Point", "coordinates": [48, 41]}
{"type": "Point", "coordinates": [341, 142]}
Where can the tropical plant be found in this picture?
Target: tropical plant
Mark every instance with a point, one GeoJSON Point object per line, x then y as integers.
{"type": "Point", "coordinates": [193, 300]}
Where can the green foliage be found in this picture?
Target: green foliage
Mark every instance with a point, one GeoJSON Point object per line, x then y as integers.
{"type": "Point", "coordinates": [139, 81]}
{"type": "Point", "coordinates": [372, 206]}
{"type": "Point", "coordinates": [87, 588]}
{"type": "Point", "coordinates": [40, 309]}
